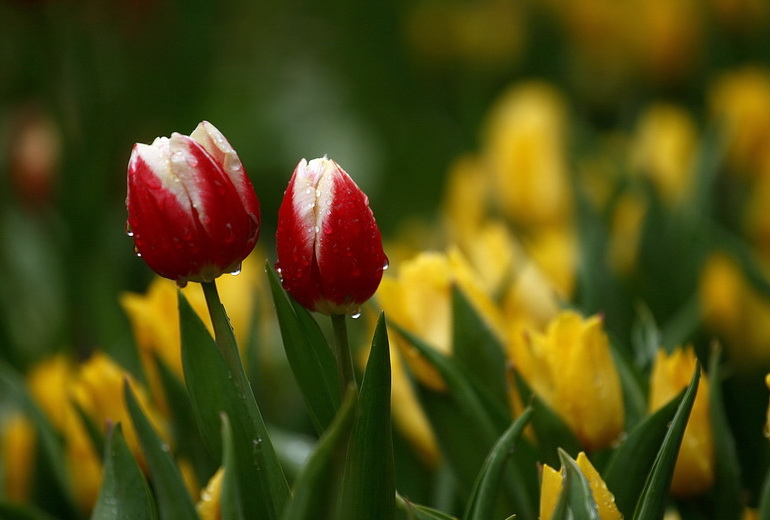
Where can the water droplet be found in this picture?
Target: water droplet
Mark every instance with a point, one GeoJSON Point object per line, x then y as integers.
{"type": "Point", "coordinates": [136, 252]}
{"type": "Point", "coordinates": [386, 264]}
{"type": "Point", "coordinates": [181, 283]}
{"type": "Point", "coordinates": [236, 271]}
{"type": "Point", "coordinates": [308, 190]}
{"type": "Point", "coordinates": [317, 230]}
{"type": "Point", "coordinates": [192, 161]}
{"type": "Point", "coordinates": [311, 205]}
{"type": "Point", "coordinates": [128, 230]}
{"type": "Point", "coordinates": [356, 315]}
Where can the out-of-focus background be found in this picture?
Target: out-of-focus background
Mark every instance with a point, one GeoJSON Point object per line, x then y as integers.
{"type": "Point", "coordinates": [393, 90]}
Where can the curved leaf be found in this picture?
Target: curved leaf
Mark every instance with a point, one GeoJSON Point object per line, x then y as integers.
{"type": "Point", "coordinates": [482, 501]}
{"type": "Point", "coordinates": [652, 501]}
{"type": "Point", "coordinates": [368, 487]}
{"type": "Point", "coordinates": [310, 358]}
{"type": "Point", "coordinates": [124, 494]}
{"type": "Point", "coordinates": [316, 484]}
{"type": "Point", "coordinates": [174, 501]}
{"type": "Point", "coordinates": [214, 389]}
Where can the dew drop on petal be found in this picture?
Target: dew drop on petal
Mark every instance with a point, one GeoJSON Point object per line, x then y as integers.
{"type": "Point", "coordinates": [192, 161]}
{"type": "Point", "coordinates": [236, 271]}
{"type": "Point", "coordinates": [136, 252]}
{"type": "Point", "coordinates": [386, 264]}
{"type": "Point", "coordinates": [356, 315]}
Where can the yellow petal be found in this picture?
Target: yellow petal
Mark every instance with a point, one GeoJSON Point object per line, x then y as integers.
{"type": "Point", "coordinates": [550, 490]}
{"type": "Point", "coordinates": [604, 499]}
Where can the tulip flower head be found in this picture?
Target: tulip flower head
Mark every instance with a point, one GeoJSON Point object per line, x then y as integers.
{"type": "Point", "coordinates": [192, 210]}
{"type": "Point", "coordinates": [329, 247]}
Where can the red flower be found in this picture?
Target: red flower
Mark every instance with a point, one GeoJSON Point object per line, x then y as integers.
{"type": "Point", "coordinates": [329, 248]}
{"type": "Point", "coordinates": [191, 207]}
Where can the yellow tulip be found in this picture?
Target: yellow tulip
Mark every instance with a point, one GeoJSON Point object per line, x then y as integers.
{"type": "Point", "coordinates": [694, 471]}
{"type": "Point", "coordinates": [525, 153]}
{"type": "Point", "coordinates": [664, 149]}
{"type": "Point", "coordinates": [570, 367]}
{"type": "Point", "coordinates": [209, 504]}
{"type": "Point", "coordinates": [553, 484]}
{"type": "Point", "coordinates": [96, 386]}
{"type": "Point", "coordinates": [740, 101]}
{"type": "Point", "coordinates": [17, 453]}
{"type": "Point", "coordinates": [736, 311]}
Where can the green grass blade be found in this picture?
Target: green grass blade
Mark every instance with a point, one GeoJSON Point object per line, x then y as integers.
{"type": "Point", "coordinates": [231, 504]}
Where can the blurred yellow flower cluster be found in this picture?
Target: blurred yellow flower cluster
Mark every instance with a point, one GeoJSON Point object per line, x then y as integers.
{"type": "Point", "coordinates": [61, 388]}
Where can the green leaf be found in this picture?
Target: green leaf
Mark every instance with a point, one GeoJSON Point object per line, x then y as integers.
{"type": "Point", "coordinates": [174, 501]}
{"type": "Point", "coordinates": [231, 504]}
{"type": "Point", "coordinates": [764, 499]}
{"type": "Point", "coordinates": [478, 349]}
{"type": "Point", "coordinates": [551, 431]}
{"type": "Point", "coordinates": [576, 495]}
{"type": "Point", "coordinates": [51, 464]}
{"type": "Point", "coordinates": [185, 434]}
{"type": "Point", "coordinates": [368, 487]}
{"type": "Point", "coordinates": [419, 512]}
{"type": "Point", "coordinates": [214, 389]}
{"type": "Point", "coordinates": [652, 501]}
{"type": "Point", "coordinates": [124, 494]}
{"type": "Point", "coordinates": [94, 432]}
{"type": "Point", "coordinates": [484, 494]}
{"type": "Point", "coordinates": [727, 501]}
{"type": "Point", "coordinates": [315, 489]}
{"type": "Point", "coordinates": [627, 470]}
{"type": "Point", "coordinates": [310, 358]}
{"type": "Point", "coordinates": [469, 429]}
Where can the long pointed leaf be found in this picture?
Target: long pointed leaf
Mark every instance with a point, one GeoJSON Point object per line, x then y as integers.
{"type": "Point", "coordinates": [314, 488]}
{"type": "Point", "coordinates": [231, 504]}
{"type": "Point", "coordinates": [482, 501]}
{"type": "Point", "coordinates": [310, 358]}
{"type": "Point", "coordinates": [124, 494]}
{"type": "Point", "coordinates": [631, 462]}
{"type": "Point", "coordinates": [652, 501]}
{"type": "Point", "coordinates": [369, 489]}
{"type": "Point", "coordinates": [551, 431]}
{"type": "Point", "coordinates": [213, 390]}
{"type": "Point", "coordinates": [577, 491]}
{"type": "Point", "coordinates": [174, 501]}
{"type": "Point", "coordinates": [728, 505]}
{"type": "Point", "coordinates": [477, 348]}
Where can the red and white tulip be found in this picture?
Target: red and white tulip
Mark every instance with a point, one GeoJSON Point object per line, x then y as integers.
{"type": "Point", "coordinates": [329, 247]}
{"type": "Point", "coordinates": [192, 209]}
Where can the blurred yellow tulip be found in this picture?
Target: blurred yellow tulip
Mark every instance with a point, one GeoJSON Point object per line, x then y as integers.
{"type": "Point", "coordinates": [209, 504]}
{"type": "Point", "coordinates": [525, 152]}
{"type": "Point", "coordinates": [694, 471]}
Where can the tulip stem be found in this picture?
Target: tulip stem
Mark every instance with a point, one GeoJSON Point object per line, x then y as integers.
{"type": "Point", "coordinates": [223, 333]}
{"type": "Point", "coordinates": [344, 358]}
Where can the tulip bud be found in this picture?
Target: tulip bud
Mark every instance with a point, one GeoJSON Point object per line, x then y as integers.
{"type": "Point", "coordinates": [330, 255]}
{"type": "Point", "coordinates": [192, 210]}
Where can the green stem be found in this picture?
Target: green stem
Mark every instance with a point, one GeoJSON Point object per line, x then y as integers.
{"type": "Point", "coordinates": [344, 358]}
{"type": "Point", "coordinates": [223, 334]}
